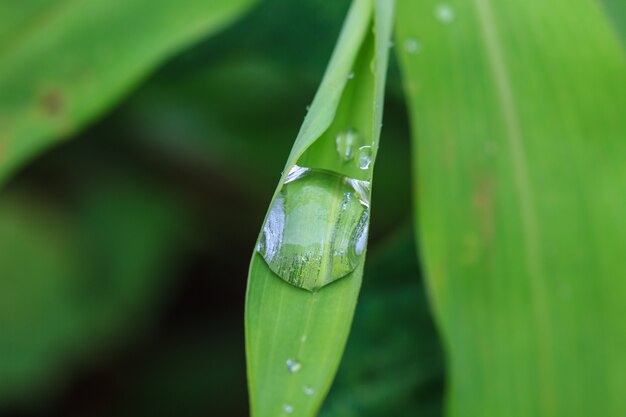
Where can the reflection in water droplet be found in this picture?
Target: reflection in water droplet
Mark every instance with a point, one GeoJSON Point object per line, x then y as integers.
{"type": "Point", "coordinates": [364, 158]}
{"type": "Point", "coordinates": [316, 229]}
{"type": "Point", "coordinates": [293, 365]}
{"type": "Point", "coordinates": [288, 408]}
{"type": "Point", "coordinates": [351, 75]}
{"type": "Point", "coordinates": [295, 173]}
{"type": "Point", "coordinates": [412, 45]}
{"type": "Point", "coordinates": [444, 13]}
{"type": "Point", "coordinates": [308, 390]}
{"type": "Point", "coordinates": [346, 143]}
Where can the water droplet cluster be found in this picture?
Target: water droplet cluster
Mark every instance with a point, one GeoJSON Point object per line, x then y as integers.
{"type": "Point", "coordinates": [444, 13]}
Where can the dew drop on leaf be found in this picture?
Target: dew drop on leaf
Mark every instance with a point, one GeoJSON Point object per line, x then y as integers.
{"type": "Point", "coordinates": [364, 158]}
{"type": "Point", "coordinates": [412, 45]}
{"type": "Point", "coordinates": [444, 13]}
{"type": "Point", "coordinates": [316, 229]}
{"type": "Point", "coordinates": [346, 142]}
{"type": "Point", "coordinates": [293, 365]}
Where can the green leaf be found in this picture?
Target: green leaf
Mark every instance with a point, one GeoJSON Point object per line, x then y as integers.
{"type": "Point", "coordinates": [64, 63]}
{"type": "Point", "coordinates": [283, 321]}
{"type": "Point", "coordinates": [518, 117]}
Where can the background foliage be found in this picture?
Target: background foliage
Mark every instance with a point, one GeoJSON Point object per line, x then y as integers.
{"type": "Point", "coordinates": [114, 245]}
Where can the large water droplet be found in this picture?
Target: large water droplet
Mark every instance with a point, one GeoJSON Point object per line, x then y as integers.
{"type": "Point", "coordinates": [444, 13]}
{"type": "Point", "coordinates": [288, 408]}
{"type": "Point", "coordinates": [308, 390]}
{"type": "Point", "coordinates": [347, 142]}
{"type": "Point", "coordinates": [412, 45]}
{"type": "Point", "coordinates": [317, 227]}
{"type": "Point", "coordinates": [293, 365]}
{"type": "Point", "coordinates": [364, 158]}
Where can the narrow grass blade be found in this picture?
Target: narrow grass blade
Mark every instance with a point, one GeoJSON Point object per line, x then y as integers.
{"type": "Point", "coordinates": [295, 337]}
{"type": "Point", "coordinates": [518, 117]}
{"type": "Point", "coordinates": [63, 63]}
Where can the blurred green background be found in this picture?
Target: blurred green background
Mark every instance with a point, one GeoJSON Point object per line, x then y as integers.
{"type": "Point", "coordinates": [124, 251]}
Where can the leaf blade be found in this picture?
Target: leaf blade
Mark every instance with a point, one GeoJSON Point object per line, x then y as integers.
{"type": "Point", "coordinates": [516, 149]}
{"type": "Point", "coordinates": [284, 322]}
{"type": "Point", "coordinates": [65, 63]}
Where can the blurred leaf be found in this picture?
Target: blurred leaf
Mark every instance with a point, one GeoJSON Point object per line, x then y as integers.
{"type": "Point", "coordinates": [616, 11]}
{"type": "Point", "coordinates": [36, 288]}
{"type": "Point", "coordinates": [519, 127]}
{"type": "Point", "coordinates": [209, 361]}
{"type": "Point", "coordinates": [393, 364]}
{"type": "Point", "coordinates": [63, 63]}
{"type": "Point", "coordinates": [278, 315]}
{"type": "Point", "coordinates": [297, 35]}
{"type": "Point", "coordinates": [70, 283]}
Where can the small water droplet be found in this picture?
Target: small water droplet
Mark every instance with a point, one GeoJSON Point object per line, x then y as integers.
{"type": "Point", "coordinates": [288, 408]}
{"type": "Point", "coordinates": [347, 142]}
{"type": "Point", "coordinates": [444, 13]}
{"type": "Point", "coordinates": [391, 44]}
{"type": "Point", "coordinates": [365, 157]}
{"type": "Point", "coordinates": [412, 46]}
{"type": "Point", "coordinates": [303, 338]}
{"type": "Point", "coordinates": [351, 75]}
{"type": "Point", "coordinates": [293, 365]}
{"type": "Point", "coordinates": [308, 107]}
{"type": "Point", "coordinates": [316, 229]}
{"type": "Point", "coordinates": [373, 66]}
{"type": "Point", "coordinates": [308, 390]}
